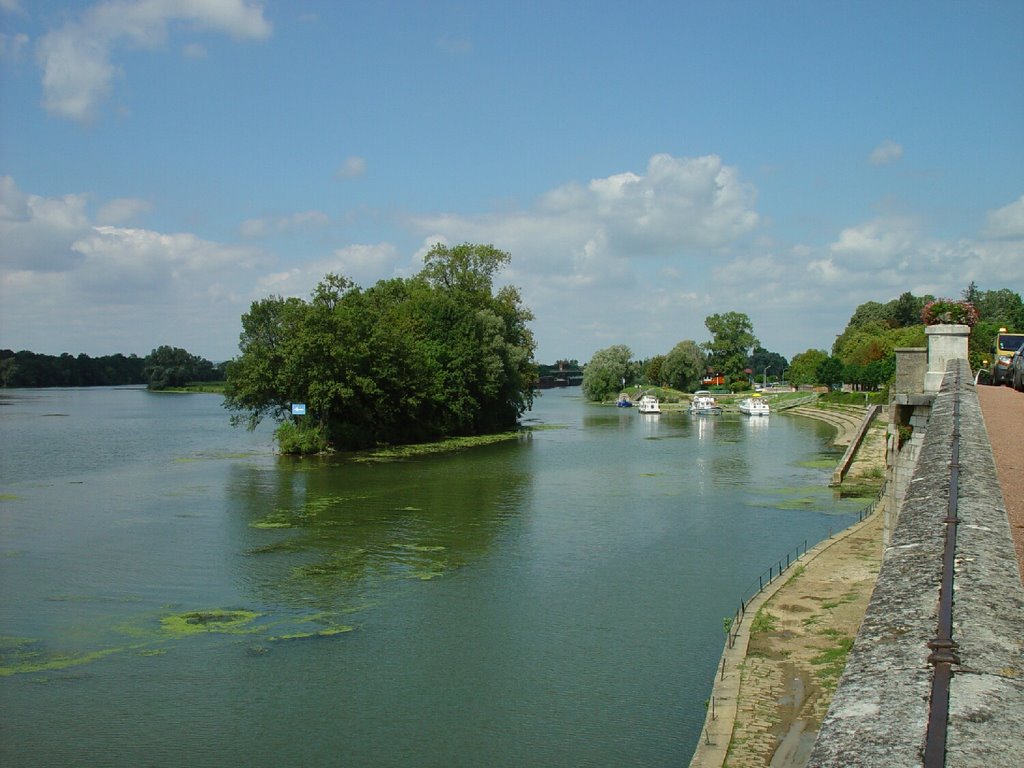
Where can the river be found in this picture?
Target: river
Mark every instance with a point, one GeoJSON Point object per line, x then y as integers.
{"type": "Point", "coordinates": [174, 593]}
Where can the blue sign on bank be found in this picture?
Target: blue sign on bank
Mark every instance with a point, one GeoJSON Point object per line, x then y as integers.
{"type": "Point", "coordinates": [298, 409]}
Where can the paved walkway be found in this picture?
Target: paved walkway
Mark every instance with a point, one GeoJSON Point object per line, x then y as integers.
{"type": "Point", "coordinates": [1003, 410]}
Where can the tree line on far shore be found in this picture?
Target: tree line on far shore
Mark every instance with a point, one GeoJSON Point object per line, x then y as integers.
{"type": "Point", "coordinates": [732, 358]}
{"type": "Point", "coordinates": [165, 367]}
{"type": "Point", "coordinates": [863, 355]}
{"type": "Point", "coordinates": [441, 354]}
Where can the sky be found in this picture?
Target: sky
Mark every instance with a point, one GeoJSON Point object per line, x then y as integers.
{"type": "Point", "coordinates": [165, 163]}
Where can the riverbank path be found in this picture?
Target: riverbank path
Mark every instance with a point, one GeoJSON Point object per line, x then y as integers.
{"type": "Point", "coordinates": [775, 684]}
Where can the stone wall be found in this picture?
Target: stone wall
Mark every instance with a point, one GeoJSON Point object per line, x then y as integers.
{"type": "Point", "coordinates": [879, 714]}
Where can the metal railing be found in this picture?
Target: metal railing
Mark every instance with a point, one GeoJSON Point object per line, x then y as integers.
{"type": "Point", "coordinates": [944, 647]}
{"type": "Point", "coordinates": [775, 570]}
{"type": "Point", "coordinates": [764, 579]}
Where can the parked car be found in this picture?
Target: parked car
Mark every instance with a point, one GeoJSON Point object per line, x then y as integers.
{"type": "Point", "coordinates": [1017, 370]}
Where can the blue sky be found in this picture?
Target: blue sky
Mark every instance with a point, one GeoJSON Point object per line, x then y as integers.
{"type": "Point", "coordinates": [165, 163]}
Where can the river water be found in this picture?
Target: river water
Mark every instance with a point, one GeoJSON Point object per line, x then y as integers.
{"type": "Point", "coordinates": [173, 593]}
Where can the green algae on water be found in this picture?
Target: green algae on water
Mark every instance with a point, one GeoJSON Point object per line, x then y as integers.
{"type": "Point", "coordinates": [395, 453]}
{"type": "Point", "coordinates": [285, 545]}
{"type": "Point", "coordinates": [273, 520]}
{"type": "Point", "coordinates": [197, 622]}
{"type": "Point", "coordinates": [313, 635]}
{"type": "Point", "coordinates": [418, 547]}
{"type": "Point", "coordinates": [798, 503]}
{"type": "Point", "coordinates": [21, 655]}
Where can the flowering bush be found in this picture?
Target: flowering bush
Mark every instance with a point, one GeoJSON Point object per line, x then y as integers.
{"type": "Point", "coordinates": [949, 311]}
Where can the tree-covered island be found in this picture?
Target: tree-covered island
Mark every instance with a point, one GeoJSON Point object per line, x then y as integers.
{"type": "Point", "coordinates": [407, 360]}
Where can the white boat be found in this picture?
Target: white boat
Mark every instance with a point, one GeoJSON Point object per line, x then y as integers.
{"type": "Point", "coordinates": [754, 406]}
{"type": "Point", "coordinates": [704, 403]}
{"type": "Point", "coordinates": [649, 404]}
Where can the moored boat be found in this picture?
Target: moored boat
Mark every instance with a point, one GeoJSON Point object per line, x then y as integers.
{"type": "Point", "coordinates": [754, 406]}
{"type": "Point", "coordinates": [649, 404]}
{"type": "Point", "coordinates": [704, 403]}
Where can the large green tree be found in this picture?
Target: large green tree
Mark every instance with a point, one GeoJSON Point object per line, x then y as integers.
{"type": "Point", "coordinates": [608, 370]}
{"type": "Point", "coordinates": [803, 368]}
{"type": "Point", "coordinates": [765, 364]}
{"type": "Point", "coordinates": [732, 340]}
{"type": "Point", "coordinates": [169, 366]}
{"type": "Point", "coordinates": [830, 372]}
{"type": "Point", "coordinates": [684, 366]}
{"type": "Point", "coordinates": [653, 370]}
{"type": "Point", "coordinates": [406, 360]}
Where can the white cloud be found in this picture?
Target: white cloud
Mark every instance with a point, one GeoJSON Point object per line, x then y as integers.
{"type": "Point", "coordinates": [1006, 222]}
{"type": "Point", "coordinates": [597, 259]}
{"type": "Point", "coordinates": [679, 202]}
{"type": "Point", "coordinates": [364, 264]}
{"type": "Point", "coordinates": [875, 243]}
{"type": "Point", "coordinates": [122, 211]}
{"type": "Point", "coordinates": [581, 232]}
{"type": "Point", "coordinates": [36, 233]}
{"type": "Point", "coordinates": [885, 153]}
{"type": "Point", "coordinates": [876, 260]}
{"type": "Point", "coordinates": [352, 168]}
{"type": "Point", "coordinates": [281, 224]}
{"type": "Point", "coordinates": [76, 58]}
{"type": "Point", "coordinates": [69, 285]}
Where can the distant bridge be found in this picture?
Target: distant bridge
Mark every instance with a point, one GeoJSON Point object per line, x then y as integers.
{"type": "Point", "coordinates": [557, 380]}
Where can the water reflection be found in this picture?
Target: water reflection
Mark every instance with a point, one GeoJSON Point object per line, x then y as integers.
{"type": "Point", "coordinates": [757, 423]}
{"type": "Point", "coordinates": [319, 533]}
{"type": "Point", "coordinates": [705, 426]}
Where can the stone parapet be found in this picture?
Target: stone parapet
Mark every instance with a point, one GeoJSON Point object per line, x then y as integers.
{"type": "Point", "coordinates": [945, 343]}
{"type": "Point", "coordinates": [911, 367]}
{"type": "Point", "coordinates": [879, 714]}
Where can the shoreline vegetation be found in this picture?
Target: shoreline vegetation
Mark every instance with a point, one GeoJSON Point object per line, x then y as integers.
{"type": "Point", "coordinates": [194, 387]}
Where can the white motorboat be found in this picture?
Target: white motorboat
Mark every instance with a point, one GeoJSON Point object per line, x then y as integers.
{"type": "Point", "coordinates": [704, 403]}
{"type": "Point", "coordinates": [754, 406]}
{"type": "Point", "coordinates": [649, 404]}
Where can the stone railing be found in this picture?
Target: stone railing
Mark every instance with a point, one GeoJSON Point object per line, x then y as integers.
{"type": "Point", "coordinates": [881, 710]}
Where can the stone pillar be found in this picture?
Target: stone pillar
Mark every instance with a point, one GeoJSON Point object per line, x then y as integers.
{"type": "Point", "coordinates": [911, 367]}
{"type": "Point", "coordinates": [945, 343]}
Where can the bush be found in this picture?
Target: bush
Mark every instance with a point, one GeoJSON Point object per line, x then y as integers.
{"type": "Point", "coordinates": [949, 311]}
{"type": "Point", "coordinates": [300, 439]}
